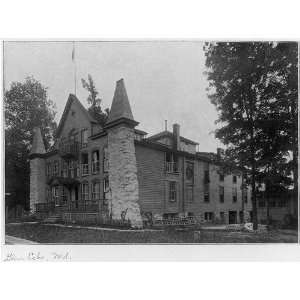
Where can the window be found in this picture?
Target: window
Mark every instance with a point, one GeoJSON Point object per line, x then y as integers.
{"type": "Point", "coordinates": [234, 194]}
{"type": "Point", "coordinates": [206, 193]}
{"type": "Point", "coordinates": [55, 168]}
{"type": "Point", "coordinates": [65, 169]}
{"type": "Point", "coordinates": [48, 172]}
{"type": "Point", "coordinates": [190, 194]}
{"type": "Point", "coordinates": [95, 162]}
{"type": "Point", "coordinates": [84, 191]}
{"type": "Point", "coordinates": [172, 191]}
{"type": "Point", "coordinates": [221, 176]}
{"type": "Point", "coordinates": [189, 172]}
{"type": "Point", "coordinates": [206, 176]}
{"type": "Point", "coordinates": [48, 195]}
{"type": "Point", "coordinates": [95, 190]}
{"type": "Point", "coordinates": [105, 160]}
{"type": "Point", "coordinates": [222, 216]}
{"type": "Point", "coordinates": [221, 193]}
{"type": "Point", "coordinates": [106, 184]}
{"type": "Point", "coordinates": [234, 178]}
{"type": "Point", "coordinates": [84, 164]}
{"type": "Point", "coordinates": [64, 195]}
{"type": "Point", "coordinates": [84, 138]}
{"type": "Point", "coordinates": [55, 197]}
{"type": "Point", "coordinates": [208, 216]}
{"type": "Point", "coordinates": [245, 195]}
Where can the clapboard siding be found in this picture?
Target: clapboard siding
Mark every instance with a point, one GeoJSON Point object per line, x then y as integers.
{"type": "Point", "coordinates": [150, 165]}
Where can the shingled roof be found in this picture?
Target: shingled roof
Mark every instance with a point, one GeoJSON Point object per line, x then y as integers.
{"type": "Point", "coordinates": [120, 108]}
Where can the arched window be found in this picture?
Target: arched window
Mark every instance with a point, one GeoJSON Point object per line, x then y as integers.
{"type": "Point", "coordinates": [85, 191]}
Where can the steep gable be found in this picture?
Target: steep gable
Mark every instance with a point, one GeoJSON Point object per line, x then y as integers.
{"type": "Point", "coordinates": [74, 116]}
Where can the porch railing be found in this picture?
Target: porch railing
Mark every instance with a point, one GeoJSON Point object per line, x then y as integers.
{"type": "Point", "coordinates": [80, 206]}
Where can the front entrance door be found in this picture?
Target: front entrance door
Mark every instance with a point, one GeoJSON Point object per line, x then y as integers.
{"type": "Point", "coordinates": [232, 217]}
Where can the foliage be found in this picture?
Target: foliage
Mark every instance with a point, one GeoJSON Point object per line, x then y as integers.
{"type": "Point", "coordinates": [254, 88]}
{"type": "Point", "coordinates": [94, 101]}
{"type": "Point", "coordinates": [26, 106]}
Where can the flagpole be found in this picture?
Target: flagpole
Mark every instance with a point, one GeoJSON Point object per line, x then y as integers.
{"type": "Point", "coordinates": [75, 70]}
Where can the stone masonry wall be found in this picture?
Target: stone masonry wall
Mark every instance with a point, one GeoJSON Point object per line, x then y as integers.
{"type": "Point", "coordinates": [37, 182]}
{"type": "Point", "coordinates": [123, 175]}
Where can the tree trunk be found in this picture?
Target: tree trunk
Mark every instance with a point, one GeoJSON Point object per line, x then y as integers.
{"type": "Point", "coordinates": [254, 207]}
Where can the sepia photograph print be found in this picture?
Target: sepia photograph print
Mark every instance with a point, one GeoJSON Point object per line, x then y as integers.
{"type": "Point", "coordinates": [150, 142]}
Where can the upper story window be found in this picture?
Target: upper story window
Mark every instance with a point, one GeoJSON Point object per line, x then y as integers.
{"type": "Point", "coordinates": [206, 193]}
{"type": "Point", "coordinates": [84, 164]}
{"type": "Point", "coordinates": [234, 194]}
{"type": "Point", "coordinates": [55, 168]}
{"type": "Point", "coordinates": [245, 193]}
{"type": "Point", "coordinates": [48, 170]}
{"type": "Point", "coordinates": [206, 176]}
{"type": "Point", "coordinates": [189, 172]}
{"type": "Point", "coordinates": [234, 178]}
{"type": "Point", "coordinates": [64, 169]}
{"type": "Point", "coordinates": [221, 176]}
{"type": "Point", "coordinates": [84, 138]}
{"type": "Point", "coordinates": [172, 191]}
{"type": "Point", "coordinates": [221, 193]}
{"type": "Point", "coordinates": [95, 162]}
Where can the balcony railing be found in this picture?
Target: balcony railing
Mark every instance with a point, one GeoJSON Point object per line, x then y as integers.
{"type": "Point", "coordinates": [84, 169]}
{"type": "Point", "coordinates": [69, 149]}
{"type": "Point", "coordinates": [171, 167]}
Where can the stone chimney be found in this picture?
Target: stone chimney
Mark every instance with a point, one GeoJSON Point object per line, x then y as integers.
{"type": "Point", "coordinates": [176, 136]}
{"type": "Point", "coordinates": [123, 179]}
{"type": "Point", "coordinates": [37, 170]}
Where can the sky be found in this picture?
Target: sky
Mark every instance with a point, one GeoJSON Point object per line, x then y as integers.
{"type": "Point", "coordinates": [164, 80]}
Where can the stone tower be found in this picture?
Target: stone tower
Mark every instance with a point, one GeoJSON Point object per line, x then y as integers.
{"type": "Point", "coordinates": [123, 179]}
{"type": "Point", "coordinates": [37, 170]}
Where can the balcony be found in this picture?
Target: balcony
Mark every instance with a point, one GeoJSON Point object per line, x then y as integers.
{"type": "Point", "coordinates": [171, 167]}
{"type": "Point", "coordinates": [69, 150]}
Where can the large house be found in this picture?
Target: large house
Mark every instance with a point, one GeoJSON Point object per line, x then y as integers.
{"type": "Point", "coordinates": [118, 172]}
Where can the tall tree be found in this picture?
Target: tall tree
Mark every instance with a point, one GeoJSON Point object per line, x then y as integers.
{"type": "Point", "coordinates": [94, 101]}
{"type": "Point", "coordinates": [253, 88]}
{"type": "Point", "coordinates": [26, 106]}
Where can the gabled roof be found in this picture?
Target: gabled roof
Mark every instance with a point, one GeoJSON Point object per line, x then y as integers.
{"type": "Point", "coordinates": [120, 108]}
{"type": "Point", "coordinates": [170, 134]}
{"type": "Point", "coordinates": [72, 98]}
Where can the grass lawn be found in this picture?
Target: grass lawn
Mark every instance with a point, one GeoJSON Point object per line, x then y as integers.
{"type": "Point", "coordinates": [51, 234]}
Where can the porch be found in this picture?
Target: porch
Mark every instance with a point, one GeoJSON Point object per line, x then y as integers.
{"type": "Point", "coordinates": [88, 206]}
